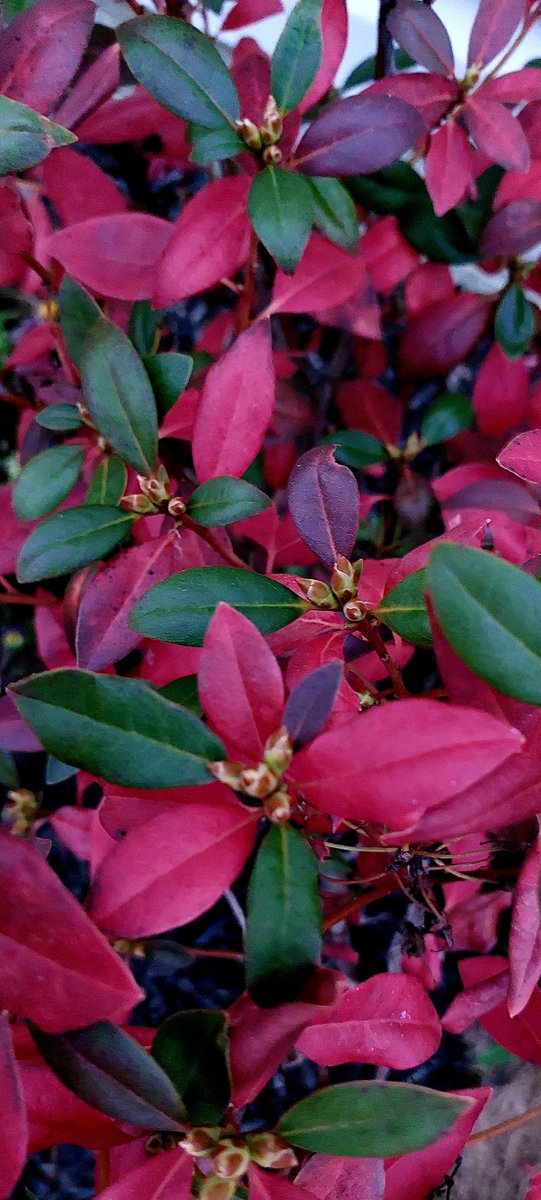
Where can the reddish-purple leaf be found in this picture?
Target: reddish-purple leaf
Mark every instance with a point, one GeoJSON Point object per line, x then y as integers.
{"type": "Point", "coordinates": [443, 334]}
{"type": "Point", "coordinates": [41, 49]}
{"type": "Point", "coordinates": [196, 258]}
{"type": "Point", "coordinates": [56, 968]}
{"type": "Point", "coordinates": [449, 165]}
{"type": "Point", "coordinates": [78, 188]}
{"type": "Point", "coordinates": [497, 133]}
{"type": "Point", "coordinates": [484, 990]}
{"type": "Point", "coordinates": [329, 1177]}
{"type": "Point", "coordinates": [240, 683]}
{"type": "Point", "coordinates": [494, 25]}
{"type": "Point", "coordinates": [244, 12]}
{"type": "Point", "coordinates": [418, 29]}
{"type": "Point", "coordinates": [500, 393]}
{"type": "Point", "coordinates": [388, 1020]}
{"type": "Point", "coordinates": [163, 1177]}
{"type": "Point", "coordinates": [103, 635]}
{"type": "Point", "coordinates": [97, 83]}
{"type": "Point", "coordinates": [513, 230]}
{"type": "Point", "coordinates": [324, 503]}
{"type": "Point", "coordinates": [173, 868]}
{"type": "Point", "coordinates": [522, 456]}
{"type": "Point", "coordinates": [236, 406]}
{"type": "Point", "coordinates": [525, 934]}
{"type": "Point", "coordinates": [115, 255]}
{"type": "Point", "coordinates": [325, 274]}
{"type": "Point", "coordinates": [268, 1185]}
{"type": "Point", "coordinates": [13, 1121]}
{"type": "Point", "coordinates": [311, 702]}
{"type": "Point", "coordinates": [359, 135]}
{"type": "Point", "coordinates": [514, 87]}
{"type": "Point", "coordinates": [431, 95]}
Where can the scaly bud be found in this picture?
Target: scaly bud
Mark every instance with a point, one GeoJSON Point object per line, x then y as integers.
{"type": "Point", "coordinates": [138, 504]}
{"type": "Point", "coordinates": [176, 507]}
{"type": "Point", "coordinates": [155, 488]}
{"type": "Point", "coordinates": [249, 133]}
{"type": "Point", "coordinates": [273, 126]}
{"type": "Point", "coordinates": [272, 156]}
{"type": "Point", "coordinates": [227, 772]}
{"type": "Point", "coordinates": [343, 579]}
{"type": "Point", "coordinates": [21, 810]}
{"type": "Point", "coordinates": [230, 1160]}
{"type": "Point", "coordinates": [200, 1141]}
{"type": "Point", "coordinates": [366, 700]}
{"type": "Point", "coordinates": [268, 1150]}
{"type": "Point", "coordinates": [215, 1188]}
{"type": "Point", "coordinates": [277, 808]}
{"type": "Point", "coordinates": [85, 415]}
{"type": "Point", "coordinates": [160, 1142]}
{"type": "Point", "coordinates": [278, 751]}
{"type": "Point", "coordinates": [258, 781]}
{"type": "Point", "coordinates": [318, 593]}
{"type": "Point", "coordinates": [355, 611]}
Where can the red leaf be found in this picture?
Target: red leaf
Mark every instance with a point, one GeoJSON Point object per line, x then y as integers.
{"type": "Point", "coordinates": [430, 282]}
{"type": "Point", "coordinates": [133, 118]}
{"type": "Point", "coordinates": [414, 1176]}
{"type": "Point", "coordinates": [267, 1185]}
{"type": "Point", "coordinates": [323, 500]}
{"type": "Point", "coordinates": [41, 49]}
{"type": "Point", "coordinates": [334, 32]}
{"type": "Point", "coordinates": [388, 256]}
{"type": "Point", "coordinates": [531, 124]}
{"type": "Point", "coordinates": [514, 87]}
{"type": "Point", "coordinates": [371, 408]}
{"type": "Point", "coordinates": [236, 406]}
{"type": "Point", "coordinates": [500, 393]}
{"type": "Point", "coordinates": [329, 1177]}
{"type": "Point", "coordinates": [522, 456]}
{"type": "Point", "coordinates": [179, 421]}
{"type": "Point", "coordinates": [164, 1177]}
{"type": "Point", "coordinates": [358, 135]}
{"type": "Point", "coordinates": [497, 133]}
{"type": "Point", "coordinates": [99, 81]}
{"type": "Point", "coordinates": [431, 95]}
{"type": "Point", "coordinates": [513, 230]}
{"type": "Point", "coordinates": [442, 335]}
{"type": "Point", "coordinates": [15, 236]}
{"type": "Point", "coordinates": [450, 165]}
{"type": "Point", "coordinates": [115, 255]}
{"type": "Point", "coordinates": [325, 273]}
{"type": "Point", "coordinates": [388, 1020]}
{"type": "Point", "coordinates": [244, 12]}
{"type": "Point", "coordinates": [240, 683]}
{"type": "Point", "coordinates": [485, 987]}
{"type": "Point", "coordinates": [196, 258]}
{"type": "Point", "coordinates": [173, 868]}
{"type": "Point", "coordinates": [534, 1189]}
{"type": "Point", "coordinates": [78, 188]}
{"type": "Point", "coordinates": [103, 635]}
{"type": "Point", "coordinates": [420, 32]}
{"type": "Point", "coordinates": [14, 1126]}
{"type": "Point", "coordinates": [494, 25]}
{"type": "Point", "coordinates": [525, 934]}
{"type": "Point", "coordinates": [415, 754]}
{"type": "Point", "coordinates": [519, 185]}
{"type": "Point", "coordinates": [56, 968]}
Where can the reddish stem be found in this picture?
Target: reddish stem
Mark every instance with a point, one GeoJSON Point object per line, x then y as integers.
{"type": "Point", "coordinates": [210, 538]}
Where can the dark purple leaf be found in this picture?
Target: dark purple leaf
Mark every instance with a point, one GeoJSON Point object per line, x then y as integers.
{"type": "Point", "coordinates": [359, 135]}
{"type": "Point", "coordinates": [513, 230]}
{"type": "Point", "coordinates": [311, 702]}
{"type": "Point", "coordinates": [494, 25]}
{"type": "Point", "coordinates": [418, 29]}
{"type": "Point", "coordinates": [324, 504]}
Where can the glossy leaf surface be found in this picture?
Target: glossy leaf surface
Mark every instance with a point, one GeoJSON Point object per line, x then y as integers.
{"type": "Point", "coordinates": [192, 1048]}
{"type": "Point", "coordinates": [119, 396]}
{"type": "Point", "coordinates": [71, 539]}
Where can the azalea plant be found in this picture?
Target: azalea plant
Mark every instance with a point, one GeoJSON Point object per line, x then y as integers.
{"type": "Point", "coordinates": [270, 343]}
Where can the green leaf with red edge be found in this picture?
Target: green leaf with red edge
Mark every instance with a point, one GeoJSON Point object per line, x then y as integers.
{"type": "Point", "coordinates": [192, 1048]}
{"type": "Point", "coordinates": [280, 209]}
{"type": "Point", "coordinates": [297, 55]}
{"type": "Point", "coordinates": [108, 1069]}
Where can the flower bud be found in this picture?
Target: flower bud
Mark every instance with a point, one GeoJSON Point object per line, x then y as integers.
{"type": "Point", "coordinates": [84, 414]}
{"type": "Point", "coordinates": [230, 1161]}
{"type": "Point", "coordinates": [215, 1188]}
{"type": "Point", "coordinates": [138, 504]}
{"type": "Point", "coordinates": [258, 781]}
{"type": "Point", "coordinates": [318, 593]}
{"type": "Point", "coordinates": [227, 772]}
{"type": "Point", "coordinates": [159, 1142]}
{"type": "Point", "coordinates": [176, 507]}
{"type": "Point", "coordinates": [268, 1150]}
{"type": "Point", "coordinates": [249, 133]}
{"type": "Point", "coordinates": [272, 128]}
{"type": "Point", "coordinates": [343, 579]}
{"type": "Point", "coordinates": [21, 810]}
{"type": "Point", "coordinates": [200, 1141]}
{"type": "Point", "coordinates": [278, 751]}
{"type": "Point", "coordinates": [355, 611]}
{"type": "Point", "coordinates": [277, 808]}
{"type": "Point", "coordinates": [155, 489]}
{"type": "Point", "coordinates": [272, 156]}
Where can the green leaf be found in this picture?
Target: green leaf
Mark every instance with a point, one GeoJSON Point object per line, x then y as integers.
{"type": "Point", "coordinates": [183, 691]}
{"type": "Point", "coordinates": [46, 480]}
{"type": "Point", "coordinates": [222, 500]}
{"type": "Point", "coordinates": [119, 396]}
{"type": "Point", "coordinates": [143, 326]}
{"type": "Point", "coordinates": [61, 418]}
{"type": "Point", "coordinates": [389, 190]}
{"type": "Point", "coordinates": [71, 539]}
{"type": "Point", "coordinates": [119, 729]}
{"type": "Point", "coordinates": [366, 71]}
{"type": "Point", "coordinates": [168, 373]}
{"type": "Point", "coordinates": [108, 482]}
{"type": "Point", "coordinates": [182, 68]}
{"type": "Point", "coordinates": [334, 212]}
{"type": "Point", "coordinates": [404, 610]}
{"type": "Point", "coordinates": [280, 209]}
{"type": "Point", "coordinates": [26, 138]}
{"type": "Point", "coordinates": [9, 777]}
{"type": "Point", "coordinates": [179, 608]}
{"type": "Point", "coordinates": [283, 936]}
{"type": "Point", "coordinates": [78, 313]}
{"type": "Point", "coordinates": [192, 1048]}
{"type": "Point", "coordinates": [440, 239]}
{"type": "Point", "coordinates": [447, 416]}
{"type": "Point", "coordinates": [356, 449]}
{"type": "Point", "coordinates": [12, 8]}
{"type": "Point", "coordinates": [370, 1120]}
{"type": "Point", "coordinates": [211, 145]}
{"type": "Point", "coordinates": [490, 611]}
{"type": "Point", "coordinates": [105, 1067]}
{"type": "Point", "coordinates": [297, 56]}
{"type": "Point", "coordinates": [57, 772]}
{"type": "Point", "coordinates": [514, 323]}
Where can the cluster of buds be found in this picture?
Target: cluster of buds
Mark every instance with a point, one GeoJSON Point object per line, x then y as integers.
{"type": "Point", "coordinates": [227, 1157]}
{"type": "Point", "coordinates": [342, 589]}
{"type": "Point", "coordinates": [263, 781]}
{"type": "Point", "coordinates": [154, 497]}
{"type": "Point", "coordinates": [19, 814]}
{"type": "Point", "coordinates": [265, 136]}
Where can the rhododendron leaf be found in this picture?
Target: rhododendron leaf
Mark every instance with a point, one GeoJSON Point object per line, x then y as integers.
{"type": "Point", "coordinates": [14, 1136]}
{"type": "Point", "coordinates": [280, 209]}
{"type": "Point", "coordinates": [143, 327]}
{"type": "Point", "coordinates": [283, 935]}
{"type": "Point", "coordinates": [174, 866]}
{"type": "Point", "coordinates": [356, 449]}
{"type": "Point", "coordinates": [525, 933]}
{"type": "Point", "coordinates": [42, 49]}
{"type": "Point", "coordinates": [55, 968]}
{"type": "Point", "coordinates": [46, 480]}
{"type": "Point", "coordinates": [359, 135]}
{"type": "Point", "coordinates": [116, 255]}
{"type": "Point", "coordinates": [194, 260]}
{"type": "Point", "coordinates": [240, 683]}
{"type": "Point", "coordinates": [71, 539]}
{"type": "Point", "coordinates": [224, 499]}
{"type": "Point", "coordinates": [236, 406]}
{"type": "Point", "coordinates": [297, 54]}
{"type": "Point", "coordinates": [333, 212]}
{"type": "Point", "coordinates": [106, 1068]}
{"type": "Point", "coordinates": [78, 313]}
{"type": "Point", "coordinates": [514, 323]}
{"type": "Point", "coordinates": [422, 34]}
{"type": "Point", "coordinates": [27, 138]}
{"type": "Point", "coordinates": [324, 503]}
{"type": "Point", "coordinates": [326, 274]}
{"type": "Point", "coordinates": [119, 396]}
{"type": "Point", "coordinates": [370, 1120]}
{"type": "Point", "coordinates": [182, 68]}
{"type": "Point", "coordinates": [403, 609]}
{"type": "Point", "coordinates": [490, 611]}
{"type": "Point", "coordinates": [168, 373]}
{"type": "Point", "coordinates": [165, 1176]}
{"type": "Point", "coordinates": [269, 1185]}
{"type": "Point", "coordinates": [183, 691]}
{"type": "Point", "coordinates": [407, 1177]}
{"type": "Point", "coordinates": [192, 1048]}
{"type": "Point", "coordinates": [214, 144]}
{"type": "Point", "coordinates": [180, 608]}
{"type": "Point", "coordinates": [495, 23]}
{"type": "Point", "coordinates": [449, 165]}
{"type": "Point", "coordinates": [61, 418]}
{"type": "Point", "coordinates": [497, 133]}
{"type": "Point", "coordinates": [441, 335]}
{"type": "Point", "coordinates": [108, 482]}
{"type": "Point", "coordinates": [311, 702]}
{"type": "Point", "coordinates": [513, 230]}
{"type": "Point", "coordinates": [119, 729]}
{"type": "Point", "coordinates": [522, 456]}
{"type": "Point", "coordinates": [448, 415]}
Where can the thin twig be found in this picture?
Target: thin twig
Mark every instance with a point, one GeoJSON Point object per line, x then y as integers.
{"type": "Point", "coordinates": [533, 1114]}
